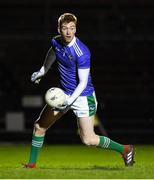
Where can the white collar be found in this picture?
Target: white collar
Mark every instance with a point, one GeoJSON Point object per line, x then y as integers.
{"type": "Point", "coordinates": [72, 42]}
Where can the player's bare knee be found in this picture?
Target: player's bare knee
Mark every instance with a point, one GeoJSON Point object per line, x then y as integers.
{"type": "Point", "coordinates": [38, 129]}
{"type": "Point", "coordinates": [89, 141]}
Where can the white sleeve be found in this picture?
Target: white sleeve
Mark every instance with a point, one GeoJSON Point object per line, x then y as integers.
{"type": "Point", "coordinates": [83, 80]}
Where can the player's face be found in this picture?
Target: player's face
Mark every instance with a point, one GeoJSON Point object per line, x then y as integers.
{"type": "Point", "coordinates": [68, 30]}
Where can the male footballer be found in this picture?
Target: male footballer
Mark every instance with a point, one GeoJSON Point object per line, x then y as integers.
{"type": "Point", "coordinates": [73, 58]}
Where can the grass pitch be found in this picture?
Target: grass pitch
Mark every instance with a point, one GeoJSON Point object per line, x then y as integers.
{"type": "Point", "coordinates": [75, 162]}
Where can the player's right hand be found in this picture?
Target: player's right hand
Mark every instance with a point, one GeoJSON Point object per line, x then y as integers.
{"type": "Point", "coordinates": [36, 76]}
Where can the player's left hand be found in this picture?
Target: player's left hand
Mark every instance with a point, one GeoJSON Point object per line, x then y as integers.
{"type": "Point", "coordinates": [63, 107]}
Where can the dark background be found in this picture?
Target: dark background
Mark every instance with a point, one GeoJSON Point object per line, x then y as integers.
{"type": "Point", "coordinates": [120, 35]}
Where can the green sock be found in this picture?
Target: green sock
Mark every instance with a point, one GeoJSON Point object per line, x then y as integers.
{"type": "Point", "coordinates": [37, 142]}
{"type": "Point", "coordinates": [107, 143]}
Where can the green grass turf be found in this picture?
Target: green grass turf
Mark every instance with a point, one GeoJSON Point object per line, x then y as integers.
{"type": "Point", "coordinates": [75, 162]}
